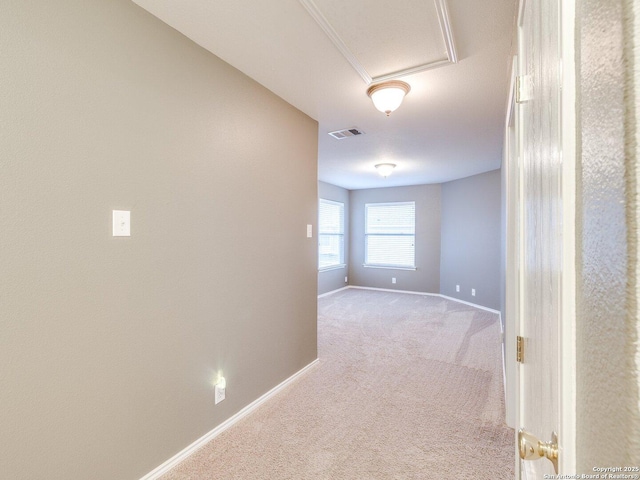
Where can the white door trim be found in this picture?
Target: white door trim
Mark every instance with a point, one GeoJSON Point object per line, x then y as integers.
{"type": "Point", "coordinates": [509, 161]}
{"type": "Point", "coordinates": [567, 333]}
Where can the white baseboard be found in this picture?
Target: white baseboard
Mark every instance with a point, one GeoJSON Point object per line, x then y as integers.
{"type": "Point", "coordinates": [202, 441]}
{"type": "Point", "coordinates": [430, 294]}
{"type": "Point", "coordinates": [470, 304]}
{"type": "Point", "coordinates": [332, 292]}
{"type": "Point", "coordinates": [394, 291]}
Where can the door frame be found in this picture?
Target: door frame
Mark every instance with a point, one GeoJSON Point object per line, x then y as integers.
{"type": "Point", "coordinates": [567, 327]}
{"type": "Point", "coordinates": [511, 193]}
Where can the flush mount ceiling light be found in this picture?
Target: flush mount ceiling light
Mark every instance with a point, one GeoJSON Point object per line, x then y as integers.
{"type": "Point", "coordinates": [385, 169]}
{"type": "Point", "coordinates": [388, 96]}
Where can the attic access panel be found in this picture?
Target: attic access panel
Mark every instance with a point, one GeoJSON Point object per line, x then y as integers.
{"type": "Point", "coordinates": [384, 40]}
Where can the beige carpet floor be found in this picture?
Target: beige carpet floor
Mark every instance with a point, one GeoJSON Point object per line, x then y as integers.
{"type": "Point", "coordinates": [407, 387]}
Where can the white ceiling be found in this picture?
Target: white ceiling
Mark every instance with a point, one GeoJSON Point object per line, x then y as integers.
{"type": "Point", "coordinates": [451, 123]}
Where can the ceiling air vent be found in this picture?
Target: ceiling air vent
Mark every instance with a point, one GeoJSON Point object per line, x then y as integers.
{"type": "Point", "coordinates": [349, 132]}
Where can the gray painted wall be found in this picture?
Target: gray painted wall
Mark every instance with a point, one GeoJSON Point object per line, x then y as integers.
{"type": "Point", "coordinates": [329, 280]}
{"type": "Point", "coordinates": [426, 278]}
{"type": "Point", "coordinates": [632, 130]}
{"type": "Point", "coordinates": [109, 346]}
{"type": "Point", "coordinates": [471, 239]}
{"type": "Point", "coordinates": [608, 421]}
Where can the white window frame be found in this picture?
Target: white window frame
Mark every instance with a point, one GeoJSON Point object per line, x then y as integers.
{"type": "Point", "coordinates": [367, 235]}
{"type": "Point", "coordinates": [338, 235]}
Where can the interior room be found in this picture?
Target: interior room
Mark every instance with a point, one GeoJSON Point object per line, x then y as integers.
{"type": "Point", "coordinates": [318, 239]}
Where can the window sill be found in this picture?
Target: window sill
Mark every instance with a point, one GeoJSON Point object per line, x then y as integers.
{"type": "Point", "coordinates": [388, 267]}
{"type": "Point", "coordinates": [332, 267]}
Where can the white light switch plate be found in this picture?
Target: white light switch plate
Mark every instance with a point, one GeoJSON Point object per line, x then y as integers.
{"type": "Point", "coordinates": [121, 223]}
{"type": "Point", "coordinates": [309, 231]}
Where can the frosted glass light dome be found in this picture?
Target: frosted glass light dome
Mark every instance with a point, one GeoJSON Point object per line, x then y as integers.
{"type": "Point", "coordinates": [385, 169]}
{"type": "Point", "coordinates": [388, 96]}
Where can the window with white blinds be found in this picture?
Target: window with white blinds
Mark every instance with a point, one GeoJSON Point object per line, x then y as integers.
{"type": "Point", "coordinates": [330, 234]}
{"type": "Point", "coordinates": [390, 230]}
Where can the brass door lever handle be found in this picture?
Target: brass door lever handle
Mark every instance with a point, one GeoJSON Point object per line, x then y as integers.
{"type": "Point", "coordinates": [531, 448]}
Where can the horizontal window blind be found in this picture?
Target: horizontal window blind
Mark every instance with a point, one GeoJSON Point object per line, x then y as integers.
{"type": "Point", "coordinates": [390, 234]}
{"type": "Point", "coordinates": [330, 233]}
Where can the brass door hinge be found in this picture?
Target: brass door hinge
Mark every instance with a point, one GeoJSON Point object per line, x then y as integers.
{"type": "Point", "coordinates": [520, 349]}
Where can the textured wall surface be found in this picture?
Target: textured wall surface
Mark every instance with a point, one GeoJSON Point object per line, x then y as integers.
{"type": "Point", "coordinates": [471, 241]}
{"type": "Point", "coordinates": [631, 32]}
{"type": "Point", "coordinates": [607, 410]}
{"type": "Point", "coordinates": [426, 277]}
{"type": "Point", "coordinates": [109, 346]}
{"type": "Point", "coordinates": [333, 279]}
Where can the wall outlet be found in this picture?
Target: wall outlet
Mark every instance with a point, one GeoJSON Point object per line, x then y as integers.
{"type": "Point", "coordinates": [457, 288]}
{"type": "Point", "coordinates": [393, 279]}
{"type": "Point", "coordinates": [221, 388]}
{"type": "Point", "coordinates": [345, 279]}
{"type": "Point", "coordinates": [473, 292]}
{"type": "Point", "coordinates": [220, 394]}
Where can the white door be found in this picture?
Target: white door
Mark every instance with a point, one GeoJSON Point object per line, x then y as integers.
{"type": "Point", "coordinates": [544, 126]}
